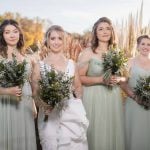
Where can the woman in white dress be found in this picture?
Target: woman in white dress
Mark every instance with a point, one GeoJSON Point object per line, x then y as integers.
{"type": "Point", "coordinates": [65, 130]}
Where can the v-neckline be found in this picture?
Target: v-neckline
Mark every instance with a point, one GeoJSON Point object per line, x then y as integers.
{"type": "Point", "coordinates": [64, 71]}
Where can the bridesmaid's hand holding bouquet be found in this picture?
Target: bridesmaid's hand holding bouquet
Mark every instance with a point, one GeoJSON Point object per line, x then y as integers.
{"type": "Point", "coordinates": [114, 65]}
{"type": "Point", "coordinates": [13, 74]}
{"type": "Point", "coordinates": [142, 92]}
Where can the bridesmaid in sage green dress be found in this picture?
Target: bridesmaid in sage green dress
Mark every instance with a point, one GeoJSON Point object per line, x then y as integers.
{"type": "Point", "coordinates": [103, 106]}
{"type": "Point", "coordinates": [17, 130]}
{"type": "Point", "coordinates": [137, 119]}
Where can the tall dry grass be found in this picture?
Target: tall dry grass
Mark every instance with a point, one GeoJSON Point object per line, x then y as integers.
{"type": "Point", "coordinates": [126, 32]}
{"type": "Point", "coordinates": [129, 31]}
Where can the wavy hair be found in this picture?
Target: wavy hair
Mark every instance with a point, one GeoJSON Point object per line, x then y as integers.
{"type": "Point", "coordinates": [94, 41]}
{"type": "Point", "coordinates": [45, 46]}
{"type": "Point", "coordinates": [3, 44]}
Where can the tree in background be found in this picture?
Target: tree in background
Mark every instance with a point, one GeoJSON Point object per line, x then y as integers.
{"type": "Point", "coordinates": [32, 28]}
{"type": "Point", "coordinates": [127, 32]}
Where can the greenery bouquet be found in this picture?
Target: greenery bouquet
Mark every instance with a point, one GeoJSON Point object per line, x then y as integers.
{"type": "Point", "coordinates": [142, 92]}
{"type": "Point", "coordinates": [12, 72]}
{"type": "Point", "coordinates": [114, 63]}
{"type": "Point", "coordinates": [54, 89]}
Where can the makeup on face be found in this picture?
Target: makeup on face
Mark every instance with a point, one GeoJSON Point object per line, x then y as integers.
{"type": "Point", "coordinates": [104, 31]}
{"type": "Point", "coordinates": [56, 41]}
{"type": "Point", "coordinates": [144, 46]}
{"type": "Point", "coordinates": [11, 35]}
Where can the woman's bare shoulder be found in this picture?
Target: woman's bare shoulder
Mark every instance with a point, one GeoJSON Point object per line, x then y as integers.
{"type": "Point", "coordinates": [85, 55]}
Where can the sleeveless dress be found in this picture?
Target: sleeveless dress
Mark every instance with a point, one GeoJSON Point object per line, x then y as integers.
{"type": "Point", "coordinates": [137, 119]}
{"type": "Point", "coordinates": [104, 111]}
{"type": "Point", "coordinates": [17, 130]}
{"type": "Point", "coordinates": [65, 130]}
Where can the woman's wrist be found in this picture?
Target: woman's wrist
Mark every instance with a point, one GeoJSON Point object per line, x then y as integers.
{"type": "Point", "coordinates": [102, 80]}
{"type": "Point", "coordinates": [35, 97]}
{"type": "Point", "coordinates": [121, 79]}
{"type": "Point", "coordinates": [132, 96]}
{"type": "Point", "coordinates": [77, 94]}
{"type": "Point", "coordinates": [7, 91]}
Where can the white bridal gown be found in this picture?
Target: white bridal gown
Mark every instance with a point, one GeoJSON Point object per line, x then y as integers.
{"type": "Point", "coordinates": [67, 130]}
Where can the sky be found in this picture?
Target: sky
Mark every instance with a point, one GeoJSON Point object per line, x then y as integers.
{"type": "Point", "coordinates": [76, 15]}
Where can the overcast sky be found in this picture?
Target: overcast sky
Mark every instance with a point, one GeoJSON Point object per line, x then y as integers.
{"type": "Point", "coordinates": [76, 15]}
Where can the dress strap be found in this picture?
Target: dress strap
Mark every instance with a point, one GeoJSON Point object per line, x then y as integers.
{"type": "Point", "coordinates": [70, 70]}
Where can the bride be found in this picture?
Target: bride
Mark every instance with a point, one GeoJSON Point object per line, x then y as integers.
{"type": "Point", "coordinates": [68, 130]}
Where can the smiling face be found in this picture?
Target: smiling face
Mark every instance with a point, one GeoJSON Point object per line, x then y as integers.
{"type": "Point", "coordinates": [11, 35]}
{"type": "Point", "coordinates": [144, 47]}
{"type": "Point", "coordinates": [104, 32]}
{"type": "Point", "coordinates": [56, 41]}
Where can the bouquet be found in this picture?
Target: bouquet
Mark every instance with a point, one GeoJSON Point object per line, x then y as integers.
{"type": "Point", "coordinates": [114, 63]}
{"type": "Point", "coordinates": [142, 92]}
{"type": "Point", "coordinates": [12, 73]}
{"type": "Point", "coordinates": [54, 89]}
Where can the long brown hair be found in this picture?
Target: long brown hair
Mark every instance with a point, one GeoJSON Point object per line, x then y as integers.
{"type": "Point", "coordinates": [94, 41]}
{"type": "Point", "coordinates": [3, 44]}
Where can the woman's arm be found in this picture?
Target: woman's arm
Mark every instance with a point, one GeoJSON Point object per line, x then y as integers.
{"type": "Point", "coordinates": [124, 84]}
{"type": "Point", "coordinates": [35, 77]}
{"type": "Point", "coordinates": [34, 110]}
{"type": "Point", "coordinates": [128, 90]}
{"type": "Point", "coordinates": [77, 85]}
{"type": "Point", "coordinates": [83, 64]}
{"type": "Point", "coordinates": [86, 80]}
{"type": "Point", "coordinates": [15, 91]}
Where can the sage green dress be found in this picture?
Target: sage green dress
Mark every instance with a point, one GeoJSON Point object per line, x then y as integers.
{"type": "Point", "coordinates": [17, 130]}
{"type": "Point", "coordinates": [104, 110]}
{"type": "Point", "coordinates": [137, 119]}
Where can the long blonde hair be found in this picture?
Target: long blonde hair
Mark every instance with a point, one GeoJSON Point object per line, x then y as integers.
{"type": "Point", "coordinates": [45, 47]}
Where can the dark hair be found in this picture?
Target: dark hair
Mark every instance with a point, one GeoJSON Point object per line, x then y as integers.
{"type": "Point", "coordinates": [3, 44]}
{"type": "Point", "coordinates": [94, 40]}
{"type": "Point", "coordinates": [139, 39]}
